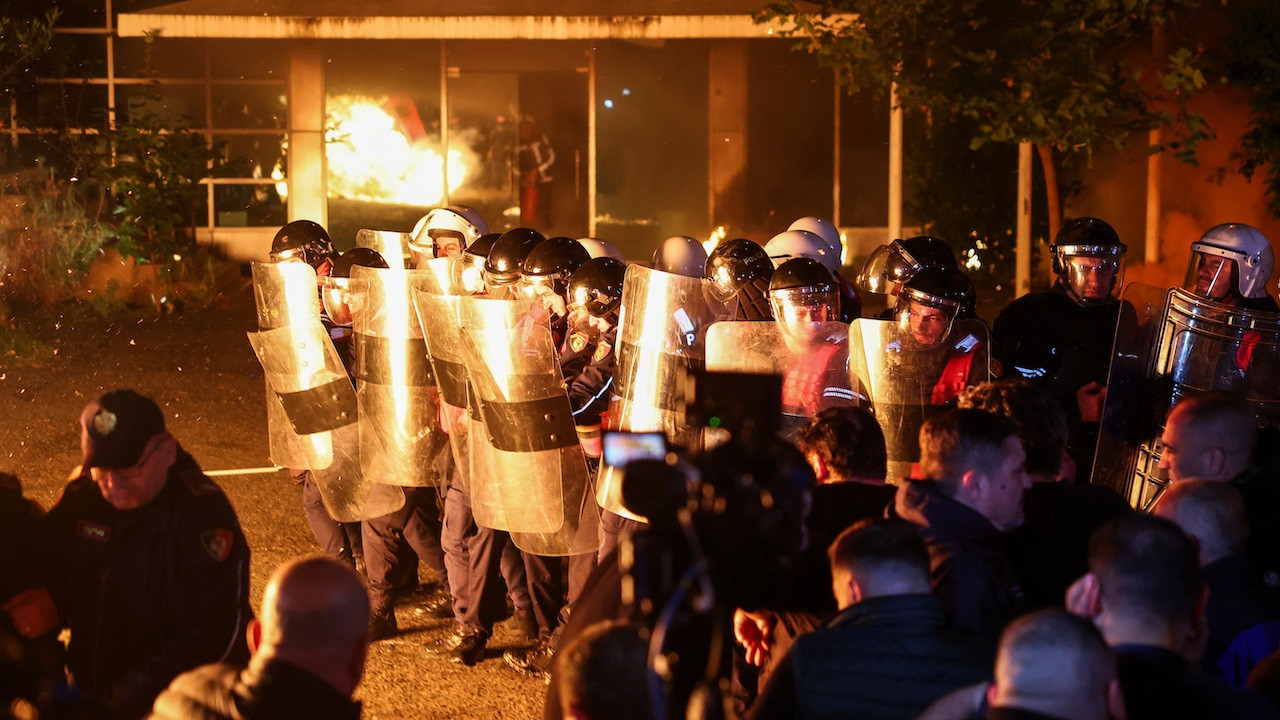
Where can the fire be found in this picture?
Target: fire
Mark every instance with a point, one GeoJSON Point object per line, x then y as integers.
{"type": "Point", "coordinates": [372, 157]}
{"type": "Point", "coordinates": [716, 236]}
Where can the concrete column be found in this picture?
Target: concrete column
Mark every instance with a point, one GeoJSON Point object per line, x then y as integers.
{"type": "Point", "coordinates": [1022, 261]}
{"type": "Point", "coordinates": [895, 165]}
{"type": "Point", "coordinates": [308, 193]}
{"type": "Point", "coordinates": [727, 128]}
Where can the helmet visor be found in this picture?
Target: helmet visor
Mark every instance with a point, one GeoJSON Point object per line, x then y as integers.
{"type": "Point", "coordinates": [542, 288]}
{"type": "Point", "coordinates": [795, 306]}
{"type": "Point", "coordinates": [336, 296]}
{"type": "Point", "coordinates": [1093, 274]}
{"type": "Point", "coordinates": [924, 319]}
{"type": "Point", "coordinates": [887, 269]}
{"type": "Point", "coordinates": [469, 274]}
{"type": "Point", "coordinates": [1213, 272]}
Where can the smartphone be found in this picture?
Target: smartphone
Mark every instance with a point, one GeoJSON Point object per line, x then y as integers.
{"type": "Point", "coordinates": [621, 447]}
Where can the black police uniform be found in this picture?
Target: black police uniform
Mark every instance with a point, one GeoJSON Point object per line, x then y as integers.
{"type": "Point", "coordinates": [587, 364]}
{"type": "Point", "coordinates": [337, 540]}
{"type": "Point", "coordinates": [1052, 341]}
{"type": "Point", "coordinates": [150, 592]}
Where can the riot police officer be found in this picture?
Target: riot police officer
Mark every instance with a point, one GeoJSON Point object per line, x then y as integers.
{"type": "Point", "coordinates": [890, 266]}
{"type": "Point", "coordinates": [739, 271]}
{"type": "Point", "coordinates": [806, 305]}
{"type": "Point", "coordinates": [307, 241]}
{"type": "Point", "coordinates": [592, 296]}
{"type": "Point", "coordinates": [503, 263]}
{"type": "Point", "coordinates": [447, 231]}
{"type": "Point", "coordinates": [802, 242]}
{"type": "Point", "coordinates": [1061, 338]}
{"type": "Point", "coordinates": [681, 255]}
{"type": "Point", "coordinates": [544, 275]}
{"type": "Point", "coordinates": [1231, 265]}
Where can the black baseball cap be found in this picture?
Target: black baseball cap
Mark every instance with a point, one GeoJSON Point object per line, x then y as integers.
{"type": "Point", "coordinates": [115, 429]}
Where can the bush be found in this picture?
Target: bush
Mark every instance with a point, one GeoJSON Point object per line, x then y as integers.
{"type": "Point", "coordinates": [46, 247]}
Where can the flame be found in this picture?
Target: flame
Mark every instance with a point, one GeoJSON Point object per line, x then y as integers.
{"type": "Point", "coordinates": [716, 236]}
{"type": "Point", "coordinates": [844, 248]}
{"type": "Point", "coordinates": [371, 158]}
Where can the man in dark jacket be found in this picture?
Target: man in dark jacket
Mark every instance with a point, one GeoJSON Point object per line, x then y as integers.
{"type": "Point", "coordinates": [976, 479]}
{"type": "Point", "coordinates": [1243, 618]}
{"type": "Point", "coordinates": [1144, 592]}
{"type": "Point", "coordinates": [147, 563]}
{"type": "Point", "coordinates": [890, 652]}
{"type": "Point", "coordinates": [308, 654]}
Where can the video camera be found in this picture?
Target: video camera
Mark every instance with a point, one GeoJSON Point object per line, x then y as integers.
{"type": "Point", "coordinates": [726, 521]}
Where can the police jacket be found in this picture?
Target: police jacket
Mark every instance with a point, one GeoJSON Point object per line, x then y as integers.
{"type": "Point", "coordinates": [269, 690]}
{"type": "Point", "coordinates": [150, 592]}
{"type": "Point", "coordinates": [1050, 340]}
{"type": "Point", "coordinates": [883, 658]}
{"type": "Point", "coordinates": [968, 566]}
{"type": "Point", "coordinates": [587, 364]}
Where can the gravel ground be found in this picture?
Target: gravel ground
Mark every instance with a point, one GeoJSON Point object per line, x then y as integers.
{"type": "Point", "coordinates": [198, 365]}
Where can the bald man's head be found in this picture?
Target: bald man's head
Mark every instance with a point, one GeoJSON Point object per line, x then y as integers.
{"type": "Point", "coordinates": [1054, 663]}
{"type": "Point", "coordinates": [1210, 436]}
{"type": "Point", "coordinates": [1212, 514]}
{"type": "Point", "coordinates": [315, 614]}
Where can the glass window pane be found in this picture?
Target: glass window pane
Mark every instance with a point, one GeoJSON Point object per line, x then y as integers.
{"type": "Point", "coordinates": [251, 156]}
{"type": "Point", "coordinates": [248, 205]}
{"type": "Point", "coordinates": [249, 106]}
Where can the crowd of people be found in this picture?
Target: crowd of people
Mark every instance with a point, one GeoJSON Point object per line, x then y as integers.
{"type": "Point", "coordinates": [907, 528]}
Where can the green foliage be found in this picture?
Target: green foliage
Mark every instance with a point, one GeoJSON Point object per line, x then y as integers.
{"type": "Point", "coordinates": [153, 168]}
{"type": "Point", "coordinates": [1056, 73]}
{"type": "Point", "coordinates": [23, 42]}
{"type": "Point", "coordinates": [46, 246]}
{"type": "Point", "coordinates": [1255, 65]}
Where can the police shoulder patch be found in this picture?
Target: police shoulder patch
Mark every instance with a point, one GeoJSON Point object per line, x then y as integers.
{"type": "Point", "coordinates": [577, 342]}
{"type": "Point", "coordinates": [217, 543]}
{"type": "Point", "coordinates": [602, 351]}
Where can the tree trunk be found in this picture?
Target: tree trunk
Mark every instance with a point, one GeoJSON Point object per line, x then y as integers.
{"type": "Point", "coordinates": [1053, 203]}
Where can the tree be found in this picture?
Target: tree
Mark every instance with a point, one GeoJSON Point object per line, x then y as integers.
{"type": "Point", "coordinates": [1064, 75]}
{"type": "Point", "coordinates": [1255, 65]}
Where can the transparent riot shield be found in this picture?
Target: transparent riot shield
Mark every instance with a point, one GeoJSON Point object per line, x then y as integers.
{"type": "Point", "coordinates": [529, 474]}
{"type": "Point", "coordinates": [1170, 344]}
{"type": "Point", "coordinates": [441, 326]}
{"type": "Point", "coordinates": [393, 246]}
{"type": "Point", "coordinates": [910, 380]}
{"type": "Point", "coordinates": [311, 405]}
{"type": "Point", "coordinates": [662, 327]}
{"type": "Point", "coordinates": [400, 438]}
{"type": "Point", "coordinates": [811, 358]}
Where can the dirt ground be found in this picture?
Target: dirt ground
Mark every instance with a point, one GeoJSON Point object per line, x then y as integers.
{"type": "Point", "coordinates": [198, 365]}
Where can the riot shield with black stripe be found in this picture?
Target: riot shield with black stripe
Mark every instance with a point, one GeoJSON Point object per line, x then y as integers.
{"type": "Point", "coordinates": [812, 358]}
{"type": "Point", "coordinates": [436, 304]}
{"type": "Point", "coordinates": [400, 438]}
{"type": "Point", "coordinates": [529, 473]}
{"type": "Point", "coordinates": [1171, 343]}
{"type": "Point", "coordinates": [662, 326]}
{"type": "Point", "coordinates": [912, 373]}
{"type": "Point", "coordinates": [312, 410]}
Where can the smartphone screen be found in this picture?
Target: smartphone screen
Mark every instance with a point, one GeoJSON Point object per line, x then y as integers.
{"type": "Point", "coordinates": [621, 448]}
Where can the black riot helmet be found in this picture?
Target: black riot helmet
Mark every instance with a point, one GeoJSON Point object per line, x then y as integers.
{"type": "Point", "coordinates": [931, 301]}
{"type": "Point", "coordinates": [304, 241]}
{"type": "Point", "coordinates": [1088, 259]}
{"type": "Point", "coordinates": [892, 265]}
{"type": "Point", "coordinates": [551, 263]}
{"type": "Point", "coordinates": [336, 294]}
{"type": "Point", "coordinates": [502, 265]}
{"type": "Point", "coordinates": [803, 290]}
{"type": "Point", "coordinates": [735, 263]}
{"type": "Point", "coordinates": [597, 286]}
{"type": "Point", "coordinates": [470, 267]}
